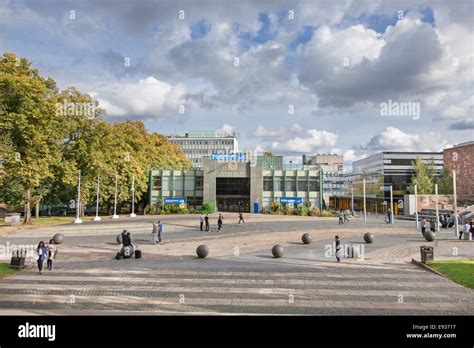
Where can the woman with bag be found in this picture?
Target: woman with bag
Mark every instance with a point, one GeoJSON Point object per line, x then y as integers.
{"type": "Point", "coordinates": [41, 252]}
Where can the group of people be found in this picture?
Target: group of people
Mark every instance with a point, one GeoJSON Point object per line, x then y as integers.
{"type": "Point", "coordinates": [204, 222]}
{"type": "Point", "coordinates": [343, 217]}
{"type": "Point", "coordinates": [424, 224]}
{"type": "Point", "coordinates": [46, 252]}
{"type": "Point", "coordinates": [156, 233]}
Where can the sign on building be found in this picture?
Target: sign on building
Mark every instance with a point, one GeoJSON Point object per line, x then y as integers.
{"type": "Point", "coordinates": [292, 200]}
{"type": "Point", "coordinates": [177, 200]}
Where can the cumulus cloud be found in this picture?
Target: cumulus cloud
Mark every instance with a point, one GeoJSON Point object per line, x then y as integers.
{"type": "Point", "coordinates": [147, 98]}
{"type": "Point", "coordinates": [397, 140]}
{"type": "Point", "coordinates": [312, 141]}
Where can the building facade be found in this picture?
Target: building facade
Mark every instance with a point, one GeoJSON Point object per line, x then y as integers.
{"type": "Point", "coordinates": [197, 145]}
{"type": "Point", "coordinates": [461, 159]}
{"type": "Point", "coordinates": [333, 162]}
{"type": "Point", "coordinates": [249, 185]}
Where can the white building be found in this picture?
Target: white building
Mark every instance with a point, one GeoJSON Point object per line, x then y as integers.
{"type": "Point", "coordinates": [197, 145]}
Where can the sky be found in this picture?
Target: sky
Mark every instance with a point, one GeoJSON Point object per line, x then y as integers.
{"type": "Point", "coordinates": [290, 77]}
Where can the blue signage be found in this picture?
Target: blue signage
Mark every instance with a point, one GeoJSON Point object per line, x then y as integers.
{"type": "Point", "coordinates": [239, 156]}
{"type": "Point", "coordinates": [294, 200]}
{"type": "Point", "coordinates": [178, 200]}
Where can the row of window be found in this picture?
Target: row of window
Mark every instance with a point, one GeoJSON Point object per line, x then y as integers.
{"type": "Point", "coordinates": [291, 184]}
{"type": "Point", "coordinates": [165, 184]}
{"type": "Point", "coordinates": [202, 142]}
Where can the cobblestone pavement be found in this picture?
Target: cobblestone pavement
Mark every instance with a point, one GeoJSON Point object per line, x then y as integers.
{"type": "Point", "coordinates": [240, 276]}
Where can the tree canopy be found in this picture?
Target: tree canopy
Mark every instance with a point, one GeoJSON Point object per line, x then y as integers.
{"type": "Point", "coordinates": [48, 135]}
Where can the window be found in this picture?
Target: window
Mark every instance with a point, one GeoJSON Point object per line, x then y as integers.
{"type": "Point", "coordinates": [313, 183]}
{"type": "Point", "coordinates": [302, 183]}
{"type": "Point", "coordinates": [157, 182]}
{"type": "Point", "coordinates": [278, 183]}
{"type": "Point", "coordinates": [290, 183]}
{"type": "Point", "coordinates": [166, 183]}
{"type": "Point", "coordinates": [267, 183]}
{"type": "Point", "coordinates": [199, 183]}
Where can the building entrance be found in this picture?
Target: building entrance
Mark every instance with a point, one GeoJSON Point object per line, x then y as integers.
{"type": "Point", "coordinates": [233, 194]}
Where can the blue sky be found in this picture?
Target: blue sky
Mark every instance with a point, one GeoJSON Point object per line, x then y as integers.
{"type": "Point", "coordinates": [242, 65]}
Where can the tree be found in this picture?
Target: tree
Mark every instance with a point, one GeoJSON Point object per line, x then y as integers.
{"type": "Point", "coordinates": [29, 127]}
{"type": "Point", "coordinates": [424, 176]}
{"type": "Point", "coordinates": [445, 183]}
{"type": "Point", "coordinates": [268, 153]}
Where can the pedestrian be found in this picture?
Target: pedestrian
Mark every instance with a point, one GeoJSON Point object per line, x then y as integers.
{"type": "Point", "coordinates": [219, 223]}
{"type": "Point", "coordinates": [388, 216]}
{"type": "Point", "coordinates": [432, 225]}
{"type": "Point", "coordinates": [41, 252]}
{"type": "Point", "coordinates": [337, 248]}
{"type": "Point", "coordinates": [345, 214]}
{"type": "Point", "coordinates": [154, 233]}
{"type": "Point", "coordinates": [206, 220]}
{"type": "Point", "coordinates": [423, 226]}
{"type": "Point", "coordinates": [201, 220]}
{"type": "Point", "coordinates": [466, 230]}
{"type": "Point", "coordinates": [341, 216]}
{"type": "Point", "coordinates": [241, 218]}
{"type": "Point", "coordinates": [51, 252]}
{"type": "Point", "coordinates": [160, 231]}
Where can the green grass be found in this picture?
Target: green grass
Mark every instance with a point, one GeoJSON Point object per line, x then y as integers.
{"type": "Point", "coordinates": [459, 271]}
{"type": "Point", "coordinates": [6, 271]}
{"type": "Point", "coordinates": [51, 221]}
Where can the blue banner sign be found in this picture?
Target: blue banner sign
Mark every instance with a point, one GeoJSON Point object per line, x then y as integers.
{"type": "Point", "coordinates": [294, 200]}
{"type": "Point", "coordinates": [239, 156]}
{"type": "Point", "coordinates": [178, 200]}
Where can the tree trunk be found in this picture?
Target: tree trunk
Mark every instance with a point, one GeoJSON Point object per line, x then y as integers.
{"type": "Point", "coordinates": [37, 209]}
{"type": "Point", "coordinates": [27, 207]}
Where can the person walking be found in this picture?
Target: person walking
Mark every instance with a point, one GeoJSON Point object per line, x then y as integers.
{"type": "Point", "coordinates": [466, 229]}
{"type": "Point", "coordinates": [201, 220]}
{"type": "Point", "coordinates": [432, 225]}
{"type": "Point", "coordinates": [51, 252]}
{"type": "Point", "coordinates": [241, 218]}
{"type": "Point", "coordinates": [341, 216]}
{"type": "Point", "coordinates": [423, 226]}
{"type": "Point", "coordinates": [41, 252]}
{"type": "Point", "coordinates": [206, 220]}
{"type": "Point", "coordinates": [154, 233]}
{"type": "Point", "coordinates": [160, 231]}
{"type": "Point", "coordinates": [219, 223]}
{"type": "Point", "coordinates": [345, 214]}
{"type": "Point", "coordinates": [337, 243]}
{"type": "Point", "coordinates": [388, 217]}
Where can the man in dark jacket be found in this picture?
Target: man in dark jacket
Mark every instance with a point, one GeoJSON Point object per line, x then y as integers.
{"type": "Point", "coordinates": [337, 248]}
{"type": "Point", "coordinates": [206, 220]}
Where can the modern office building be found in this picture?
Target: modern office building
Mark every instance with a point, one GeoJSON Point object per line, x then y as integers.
{"type": "Point", "coordinates": [461, 159]}
{"type": "Point", "coordinates": [197, 145]}
{"type": "Point", "coordinates": [238, 184]}
{"type": "Point", "coordinates": [333, 162]}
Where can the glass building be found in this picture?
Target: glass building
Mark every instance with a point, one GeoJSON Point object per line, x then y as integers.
{"type": "Point", "coordinates": [244, 185]}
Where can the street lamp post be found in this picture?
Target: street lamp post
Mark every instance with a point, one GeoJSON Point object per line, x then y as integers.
{"type": "Point", "coordinates": [115, 216]}
{"type": "Point", "coordinates": [97, 217]}
{"type": "Point", "coordinates": [78, 204]}
{"type": "Point", "coordinates": [352, 200]}
{"type": "Point", "coordinates": [437, 209]}
{"type": "Point", "coordinates": [391, 204]}
{"type": "Point", "coordinates": [416, 206]}
{"type": "Point", "coordinates": [133, 198]}
{"type": "Point", "coordinates": [455, 205]}
{"type": "Point", "coordinates": [363, 190]}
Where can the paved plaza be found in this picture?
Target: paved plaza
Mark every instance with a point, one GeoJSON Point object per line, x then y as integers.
{"type": "Point", "coordinates": [240, 276]}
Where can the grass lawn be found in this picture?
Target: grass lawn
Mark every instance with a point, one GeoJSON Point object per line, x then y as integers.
{"type": "Point", "coordinates": [459, 271]}
{"type": "Point", "coordinates": [54, 220]}
{"type": "Point", "coordinates": [6, 271]}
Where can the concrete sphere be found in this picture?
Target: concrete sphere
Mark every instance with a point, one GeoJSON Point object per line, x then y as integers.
{"type": "Point", "coordinates": [277, 251]}
{"type": "Point", "coordinates": [430, 236]}
{"type": "Point", "coordinates": [119, 238]}
{"type": "Point", "coordinates": [127, 252]}
{"type": "Point", "coordinates": [58, 238]}
{"type": "Point", "coordinates": [202, 251]}
{"type": "Point", "coordinates": [306, 238]}
{"type": "Point", "coordinates": [369, 237]}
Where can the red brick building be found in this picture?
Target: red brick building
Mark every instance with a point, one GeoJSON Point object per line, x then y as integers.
{"type": "Point", "coordinates": [461, 159]}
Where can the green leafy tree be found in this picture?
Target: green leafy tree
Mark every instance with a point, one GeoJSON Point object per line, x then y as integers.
{"type": "Point", "coordinates": [445, 183]}
{"type": "Point", "coordinates": [424, 176]}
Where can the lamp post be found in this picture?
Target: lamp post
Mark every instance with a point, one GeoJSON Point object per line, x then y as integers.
{"type": "Point", "coordinates": [78, 204]}
{"type": "Point", "coordinates": [391, 205]}
{"type": "Point", "coordinates": [455, 206]}
{"type": "Point", "coordinates": [416, 206]}
{"type": "Point", "coordinates": [115, 216]}
{"type": "Point", "coordinates": [437, 210]}
{"type": "Point", "coordinates": [352, 200]}
{"type": "Point", "coordinates": [363, 190]}
{"type": "Point", "coordinates": [133, 198]}
{"type": "Point", "coordinates": [97, 217]}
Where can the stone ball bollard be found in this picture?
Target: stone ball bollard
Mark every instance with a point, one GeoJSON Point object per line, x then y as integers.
{"type": "Point", "coordinates": [119, 238]}
{"type": "Point", "coordinates": [369, 237]}
{"type": "Point", "coordinates": [58, 238]}
{"type": "Point", "coordinates": [430, 236]}
{"type": "Point", "coordinates": [306, 238]}
{"type": "Point", "coordinates": [202, 251]}
{"type": "Point", "coordinates": [277, 251]}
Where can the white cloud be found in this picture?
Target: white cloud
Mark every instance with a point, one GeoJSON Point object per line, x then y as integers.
{"type": "Point", "coordinates": [311, 141]}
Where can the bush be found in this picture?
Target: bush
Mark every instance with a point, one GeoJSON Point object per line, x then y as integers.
{"type": "Point", "coordinates": [328, 213]}
{"type": "Point", "coordinates": [275, 208]}
{"type": "Point", "coordinates": [302, 210]}
{"type": "Point", "coordinates": [207, 208]}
